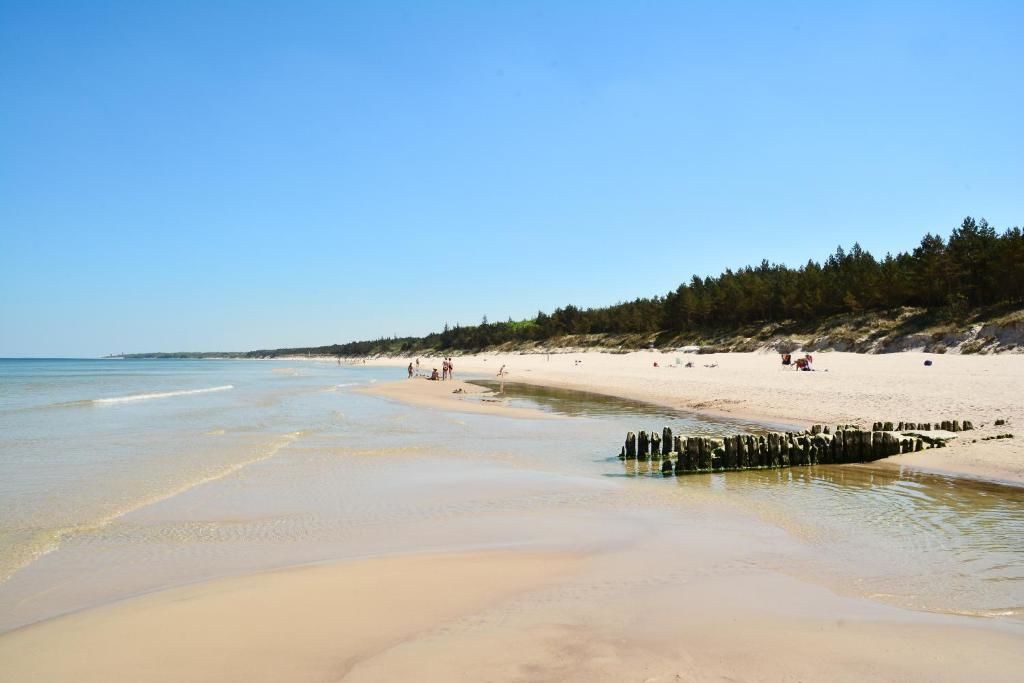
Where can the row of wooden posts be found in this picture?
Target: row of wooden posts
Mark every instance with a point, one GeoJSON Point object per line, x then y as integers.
{"type": "Point", "coordinates": [818, 445]}
{"type": "Point", "coordinates": [945, 425]}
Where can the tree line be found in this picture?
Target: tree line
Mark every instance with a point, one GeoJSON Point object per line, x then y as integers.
{"type": "Point", "coordinates": [976, 266]}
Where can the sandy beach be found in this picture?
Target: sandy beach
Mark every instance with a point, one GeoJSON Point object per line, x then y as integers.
{"type": "Point", "coordinates": [844, 388]}
{"type": "Point", "coordinates": [436, 531]}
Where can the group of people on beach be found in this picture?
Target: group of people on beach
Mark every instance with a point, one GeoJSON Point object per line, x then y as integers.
{"type": "Point", "coordinates": [447, 370]}
{"type": "Point", "coordinates": [806, 363]}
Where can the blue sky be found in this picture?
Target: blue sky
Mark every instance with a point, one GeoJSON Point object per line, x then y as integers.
{"type": "Point", "coordinates": [238, 175]}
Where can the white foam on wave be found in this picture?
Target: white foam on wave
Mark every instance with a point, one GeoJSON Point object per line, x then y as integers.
{"type": "Point", "coordinates": [164, 394]}
{"type": "Point", "coordinates": [333, 388]}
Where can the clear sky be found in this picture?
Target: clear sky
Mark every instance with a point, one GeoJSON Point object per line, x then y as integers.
{"type": "Point", "coordinates": [238, 175]}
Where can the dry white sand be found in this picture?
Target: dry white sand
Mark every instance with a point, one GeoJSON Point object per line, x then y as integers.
{"type": "Point", "coordinates": [844, 388]}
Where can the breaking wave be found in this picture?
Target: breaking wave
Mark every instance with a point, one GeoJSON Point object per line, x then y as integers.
{"type": "Point", "coordinates": [164, 394]}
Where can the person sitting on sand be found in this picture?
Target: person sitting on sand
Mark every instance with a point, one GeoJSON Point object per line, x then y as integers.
{"type": "Point", "coordinates": [787, 359]}
{"type": "Point", "coordinates": [433, 375]}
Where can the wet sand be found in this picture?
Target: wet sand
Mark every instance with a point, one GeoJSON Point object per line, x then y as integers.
{"type": "Point", "coordinates": [508, 616]}
{"type": "Point", "coordinates": [307, 623]}
{"type": "Point", "coordinates": [451, 395]}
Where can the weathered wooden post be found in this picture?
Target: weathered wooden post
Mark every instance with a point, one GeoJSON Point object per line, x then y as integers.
{"type": "Point", "coordinates": [730, 453]}
{"type": "Point", "coordinates": [793, 448]}
{"type": "Point", "coordinates": [630, 446]}
{"type": "Point", "coordinates": [717, 455]}
{"type": "Point", "coordinates": [822, 448]}
{"type": "Point", "coordinates": [805, 447]}
{"type": "Point", "coordinates": [864, 452]}
{"type": "Point", "coordinates": [666, 440]}
{"type": "Point", "coordinates": [739, 445]}
{"type": "Point", "coordinates": [641, 446]}
{"type": "Point", "coordinates": [837, 447]}
{"type": "Point", "coordinates": [704, 455]}
{"type": "Point", "coordinates": [655, 446]}
{"type": "Point", "coordinates": [692, 453]}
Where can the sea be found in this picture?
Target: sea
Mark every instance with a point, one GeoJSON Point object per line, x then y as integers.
{"type": "Point", "coordinates": [125, 476]}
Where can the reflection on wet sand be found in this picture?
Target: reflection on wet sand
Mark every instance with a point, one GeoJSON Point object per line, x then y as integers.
{"type": "Point", "coordinates": [588, 404]}
{"type": "Point", "coordinates": [917, 539]}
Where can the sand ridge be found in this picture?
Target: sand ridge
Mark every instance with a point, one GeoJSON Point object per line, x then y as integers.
{"type": "Point", "coordinates": [455, 395]}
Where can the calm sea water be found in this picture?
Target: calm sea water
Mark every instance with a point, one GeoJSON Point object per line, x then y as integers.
{"type": "Point", "coordinates": [83, 442]}
{"type": "Point", "coordinates": [87, 446]}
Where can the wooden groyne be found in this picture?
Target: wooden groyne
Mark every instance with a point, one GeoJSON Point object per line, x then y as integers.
{"type": "Point", "coordinates": [819, 445]}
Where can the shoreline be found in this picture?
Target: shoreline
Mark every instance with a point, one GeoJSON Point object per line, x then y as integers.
{"type": "Point", "coordinates": [428, 552]}
{"type": "Point", "coordinates": [455, 395]}
{"type": "Point", "coordinates": [845, 388]}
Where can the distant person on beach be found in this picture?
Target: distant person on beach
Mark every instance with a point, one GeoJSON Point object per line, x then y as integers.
{"type": "Point", "coordinates": [410, 371]}
{"type": "Point", "coordinates": [417, 363]}
{"type": "Point", "coordinates": [444, 369]}
{"type": "Point", "coordinates": [451, 369]}
{"type": "Point", "coordinates": [501, 372]}
{"type": "Point", "coordinates": [433, 375]}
